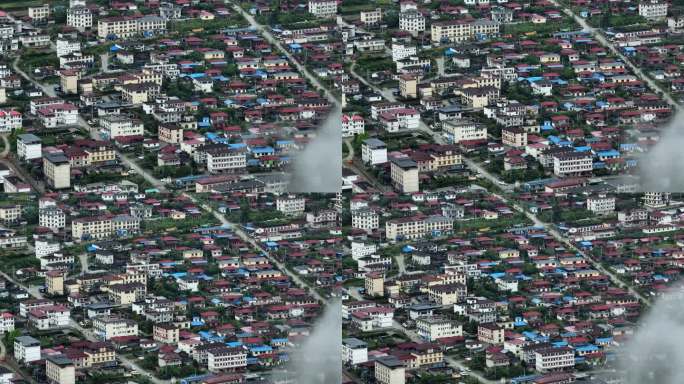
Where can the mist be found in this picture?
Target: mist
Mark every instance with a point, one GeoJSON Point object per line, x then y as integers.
{"type": "Point", "coordinates": [318, 168]}
{"type": "Point", "coordinates": [655, 353]}
{"type": "Point", "coordinates": [318, 360]}
{"type": "Point", "coordinates": [660, 169]}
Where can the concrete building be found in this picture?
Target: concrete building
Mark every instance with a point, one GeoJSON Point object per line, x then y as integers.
{"type": "Point", "coordinates": [412, 21]}
{"type": "Point", "coordinates": [601, 204]}
{"type": "Point", "coordinates": [460, 30]}
{"type": "Point", "coordinates": [572, 163]}
{"type": "Point", "coordinates": [10, 120]}
{"type": "Point", "coordinates": [225, 358]}
{"type": "Point", "coordinates": [54, 282]}
{"type": "Point", "coordinates": [370, 18]}
{"type": "Point", "coordinates": [373, 151]}
{"type": "Point", "coordinates": [26, 349]}
{"type": "Point", "coordinates": [323, 8]}
{"type": "Point", "coordinates": [291, 205]}
{"type": "Point", "coordinates": [459, 130]}
{"type": "Point", "coordinates": [120, 126]}
{"type": "Point", "coordinates": [354, 351]}
{"type": "Point", "coordinates": [57, 170]}
{"type": "Point", "coordinates": [554, 358]}
{"type": "Point", "coordinates": [375, 284]}
{"type": "Point", "coordinates": [80, 18]}
{"type": "Point", "coordinates": [106, 327]}
{"type": "Point", "coordinates": [408, 86]}
{"type": "Point", "coordinates": [389, 370]}
{"type": "Point", "coordinates": [352, 125]}
{"type": "Point", "coordinates": [433, 328]}
{"type": "Point", "coordinates": [404, 174]}
{"type": "Point", "coordinates": [59, 369]}
{"type": "Point", "coordinates": [653, 10]}
{"type": "Point", "coordinates": [40, 13]}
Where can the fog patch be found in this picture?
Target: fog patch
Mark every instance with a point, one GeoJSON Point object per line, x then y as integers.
{"type": "Point", "coordinates": [318, 168]}
{"type": "Point", "coordinates": [655, 354]}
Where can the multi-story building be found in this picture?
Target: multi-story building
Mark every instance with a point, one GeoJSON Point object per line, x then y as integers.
{"type": "Point", "coordinates": [225, 358]}
{"type": "Point", "coordinates": [366, 219]}
{"type": "Point", "coordinates": [389, 370]}
{"type": "Point", "coordinates": [57, 170]}
{"type": "Point", "coordinates": [412, 21]}
{"type": "Point", "coordinates": [80, 18]}
{"type": "Point", "coordinates": [100, 227]}
{"type": "Point", "coordinates": [26, 349]}
{"type": "Point", "coordinates": [118, 125]}
{"type": "Point", "coordinates": [514, 137]}
{"type": "Point", "coordinates": [352, 125]}
{"type": "Point", "coordinates": [106, 327]}
{"type": "Point", "coordinates": [408, 86]}
{"type": "Point", "coordinates": [49, 316]}
{"type": "Point", "coordinates": [433, 328]}
{"type": "Point", "coordinates": [404, 174]}
{"type": "Point", "coordinates": [572, 163]}
{"type": "Point", "coordinates": [59, 369]}
{"type": "Point", "coordinates": [167, 333]}
{"type": "Point", "coordinates": [54, 282]}
{"type": "Point", "coordinates": [170, 133]}
{"type": "Point", "coordinates": [6, 322]}
{"type": "Point", "coordinates": [10, 213]}
{"type": "Point", "coordinates": [402, 50]}
{"type": "Point", "coordinates": [490, 333]}
{"type": "Point", "coordinates": [40, 13]}
{"type": "Point", "coordinates": [601, 204]}
{"type": "Point", "coordinates": [373, 151]}
{"type": "Point", "coordinates": [58, 115]}
{"type": "Point", "coordinates": [354, 351]}
{"type": "Point", "coordinates": [291, 205]}
{"type": "Point", "coordinates": [10, 120]}
{"type": "Point", "coordinates": [554, 358]}
{"type": "Point", "coordinates": [223, 158]}
{"type": "Point", "coordinates": [416, 227]}
{"type": "Point", "coordinates": [370, 18]}
{"type": "Point", "coordinates": [323, 8]}
{"type": "Point", "coordinates": [67, 46]}
{"type": "Point", "coordinates": [656, 199]}
{"type": "Point", "coordinates": [461, 30]}
{"type": "Point", "coordinates": [29, 147]}
{"type": "Point", "coordinates": [653, 10]}
{"type": "Point", "coordinates": [123, 27]}
{"type": "Point", "coordinates": [458, 130]}
{"type": "Point", "coordinates": [374, 283]}
{"type": "Point", "coordinates": [52, 217]}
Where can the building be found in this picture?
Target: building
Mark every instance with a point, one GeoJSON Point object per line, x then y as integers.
{"type": "Point", "coordinates": [370, 18]}
{"type": "Point", "coordinates": [490, 333]}
{"type": "Point", "coordinates": [572, 163]}
{"type": "Point", "coordinates": [54, 282]}
{"type": "Point", "coordinates": [59, 369]}
{"type": "Point", "coordinates": [514, 137]}
{"type": "Point", "coordinates": [10, 213]}
{"type": "Point", "coordinates": [366, 219]}
{"type": "Point", "coordinates": [412, 21]}
{"type": "Point", "coordinates": [656, 199]}
{"type": "Point", "coordinates": [40, 13]}
{"type": "Point", "coordinates": [404, 174]}
{"type": "Point", "coordinates": [373, 151]}
{"type": "Point", "coordinates": [80, 18]}
{"type": "Point", "coordinates": [291, 205]}
{"type": "Point", "coordinates": [408, 86]}
{"type": "Point", "coordinates": [68, 80]}
{"type": "Point", "coordinates": [459, 130]}
{"type": "Point", "coordinates": [225, 358]}
{"type": "Point", "coordinates": [101, 227]}
{"type": "Point", "coordinates": [124, 26]}
{"type": "Point", "coordinates": [323, 8]}
{"type": "Point", "coordinates": [401, 51]}
{"type": "Point", "coordinates": [601, 204]}
{"type": "Point", "coordinates": [554, 358]}
{"type": "Point", "coordinates": [389, 370]}
{"type": "Point", "coordinates": [6, 322]}
{"type": "Point", "coordinates": [63, 114]}
{"type": "Point", "coordinates": [52, 217]}
{"type": "Point", "coordinates": [223, 158]}
{"type": "Point", "coordinates": [57, 170]}
{"type": "Point", "coordinates": [416, 227]}
{"type": "Point", "coordinates": [26, 349]}
{"type": "Point", "coordinates": [352, 125]}
{"type": "Point", "coordinates": [10, 120]}
{"type": "Point", "coordinates": [120, 126]}
{"type": "Point", "coordinates": [66, 46]}
{"type": "Point", "coordinates": [354, 351]}
{"type": "Point", "coordinates": [166, 333]}
{"type": "Point", "coordinates": [433, 328]}
{"type": "Point", "coordinates": [375, 284]}
{"type": "Point", "coordinates": [106, 327]}
{"type": "Point", "coordinates": [460, 30]}
{"type": "Point", "coordinates": [49, 317]}
{"type": "Point", "coordinates": [653, 10]}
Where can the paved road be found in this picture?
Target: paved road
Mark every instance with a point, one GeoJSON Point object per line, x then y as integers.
{"type": "Point", "coordinates": [598, 35]}
{"type": "Point", "coordinates": [266, 33]}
